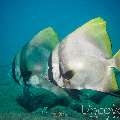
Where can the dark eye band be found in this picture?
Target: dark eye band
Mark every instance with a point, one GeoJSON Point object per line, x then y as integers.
{"type": "Point", "coordinates": [68, 75]}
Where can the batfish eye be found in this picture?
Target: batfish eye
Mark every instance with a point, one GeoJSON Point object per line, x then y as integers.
{"type": "Point", "coordinates": [68, 75]}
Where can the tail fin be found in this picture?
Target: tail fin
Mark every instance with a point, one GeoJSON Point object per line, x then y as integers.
{"type": "Point", "coordinates": [117, 60]}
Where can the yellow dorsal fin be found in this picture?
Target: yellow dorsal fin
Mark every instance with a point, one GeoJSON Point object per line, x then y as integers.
{"type": "Point", "coordinates": [47, 37]}
{"type": "Point", "coordinates": [95, 30]}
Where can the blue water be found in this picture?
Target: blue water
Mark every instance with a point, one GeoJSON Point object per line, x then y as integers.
{"type": "Point", "coordinates": [20, 20]}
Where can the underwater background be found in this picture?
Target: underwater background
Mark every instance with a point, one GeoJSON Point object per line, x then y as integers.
{"type": "Point", "coordinates": [19, 22]}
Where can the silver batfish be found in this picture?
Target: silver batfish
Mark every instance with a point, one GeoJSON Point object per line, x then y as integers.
{"type": "Point", "coordinates": [84, 60]}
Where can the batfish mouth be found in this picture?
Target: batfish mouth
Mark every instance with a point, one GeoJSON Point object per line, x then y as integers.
{"type": "Point", "coordinates": [67, 84]}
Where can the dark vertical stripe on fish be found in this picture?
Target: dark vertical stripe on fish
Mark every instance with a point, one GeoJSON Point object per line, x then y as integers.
{"type": "Point", "coordinates": [50, 73]}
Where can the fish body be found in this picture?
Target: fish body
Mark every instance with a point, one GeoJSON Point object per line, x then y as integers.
{"type": "Point", "coordinates": [84, 60]}
{"type": "Point", "coordinates": [30, 66]}
{"type": "Point", "coordinates": [31, 62]}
